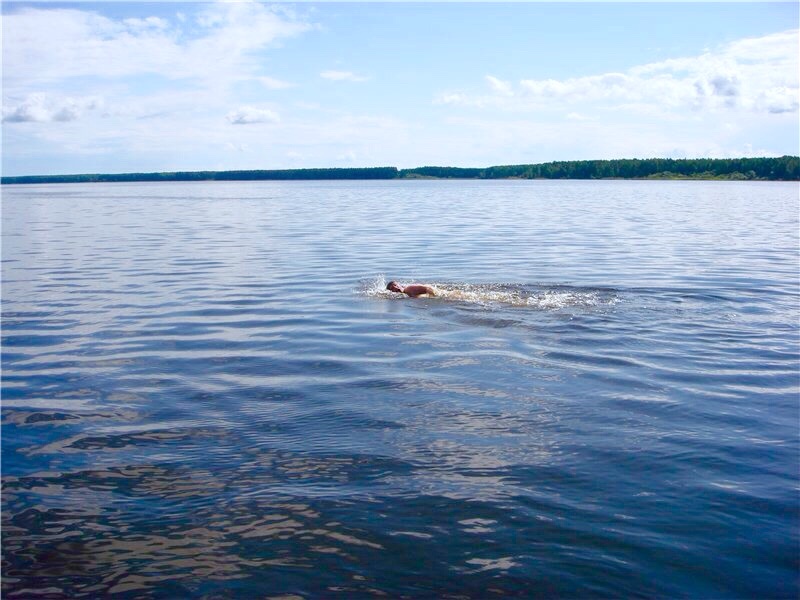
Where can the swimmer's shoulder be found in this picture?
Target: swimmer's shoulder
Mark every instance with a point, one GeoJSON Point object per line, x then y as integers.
{"type": "Point", "coordinates": [420, 290]}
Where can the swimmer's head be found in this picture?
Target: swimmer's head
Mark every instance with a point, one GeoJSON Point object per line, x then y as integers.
{"type": "Point", "coordinates": [392, 286]}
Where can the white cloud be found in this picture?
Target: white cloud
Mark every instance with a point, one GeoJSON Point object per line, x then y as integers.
{"type": "Point", "coordinates": [342, 76]}
{"type": "Point", "coordinates": [48, 45]}
{"type": "Point", "coordinates": [160, 83]}
{"type": "Point", "coordinates": [274, 84]}
{"type": "Point", "coordinates": [600, 87]}
{"type": "Point", "coordinates": [499, 86]}
{"type": "Point", "coordinates": [247, 115]}
{"type": "Point", "coordinates": [42, 108]}
{"type": "Point", "coordinates": [458, 98]}
{"type": "Point", "coordinates": [146, 23]}
{"type": "Point", "coordinates": [755, 75]}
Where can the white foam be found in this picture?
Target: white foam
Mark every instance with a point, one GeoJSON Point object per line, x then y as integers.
{"type": "Point", "coordinates": [555, 299]}
{"type": "Point", "coordinates": [375, 288]}
{"type": "Point", "coordinates": [547, 298]}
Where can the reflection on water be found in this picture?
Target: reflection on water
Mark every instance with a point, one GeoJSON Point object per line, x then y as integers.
{"type": "Point", "coordinates": [208, 392]}
{"type": "Point", "coordinates": [97, 534]}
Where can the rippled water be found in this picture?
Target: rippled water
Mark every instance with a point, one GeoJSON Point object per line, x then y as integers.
{"type": "Point", "coordinates": [208, 393]}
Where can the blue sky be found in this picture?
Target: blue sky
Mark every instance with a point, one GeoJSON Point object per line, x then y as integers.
{"type": "Point", "coordinates": [120, 87]}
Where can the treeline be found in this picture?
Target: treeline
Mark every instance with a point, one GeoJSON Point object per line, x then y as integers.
{"type": "Point", "coordinates": [784, 168]}
{"type": "Point", "coordinates": [257, 175]}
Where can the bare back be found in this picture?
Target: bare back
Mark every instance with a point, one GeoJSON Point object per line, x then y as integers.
{"type": "Point", "coordinates": [417, 289]}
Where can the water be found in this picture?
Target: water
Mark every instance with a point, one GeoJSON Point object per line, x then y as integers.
{"type": "Point", "coordinates": [207, 392]}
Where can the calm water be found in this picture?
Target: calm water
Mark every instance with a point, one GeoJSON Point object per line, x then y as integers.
{"type": "Point", "coordinates": [206, 393]}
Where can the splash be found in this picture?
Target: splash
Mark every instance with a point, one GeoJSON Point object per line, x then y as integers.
{"type": "Point", "coordinates": [375, 287]}
{"type": "Point", "coordinates": [500, 294]}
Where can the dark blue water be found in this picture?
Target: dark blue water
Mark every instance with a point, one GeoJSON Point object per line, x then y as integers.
{"type": "Point", "coordinates": [206, 393]}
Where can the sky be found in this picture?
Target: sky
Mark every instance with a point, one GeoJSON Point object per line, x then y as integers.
{"type": "Point", "coordinates": [112, 87]}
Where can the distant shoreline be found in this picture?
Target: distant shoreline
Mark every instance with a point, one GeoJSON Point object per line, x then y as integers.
{"type": "Point", "coordinates": [784, 168]}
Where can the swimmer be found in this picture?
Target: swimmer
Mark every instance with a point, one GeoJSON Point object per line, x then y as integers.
{"type": "Point", "coordinates": [414, 290]}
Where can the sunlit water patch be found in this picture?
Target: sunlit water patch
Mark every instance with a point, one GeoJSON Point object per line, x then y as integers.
{"type": "Point", "coordinates": [208, 391]}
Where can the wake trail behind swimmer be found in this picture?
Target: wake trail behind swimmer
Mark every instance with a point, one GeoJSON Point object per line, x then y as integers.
{"type": "Point", "coordinates": [541, 297]}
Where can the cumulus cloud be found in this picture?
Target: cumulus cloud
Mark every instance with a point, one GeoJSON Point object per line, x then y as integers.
{"type": "Point", "coordinates": [43, 108]}
{"type": "Point", "coordinates": [342, 76]}
{"type": "Point", "coordinates": [754, 74]}
{"type": "Point", "coordinates": [247, 115]}
{"type": "Point", "coordinates": [151, 23]}
{"type": "Point", "coordinates": [499, 86]}
{"type": "Point", "coordinates": [47, 45]}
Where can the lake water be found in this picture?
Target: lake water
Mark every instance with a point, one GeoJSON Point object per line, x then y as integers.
{"type": "Point", "coordinates": [207, 393]}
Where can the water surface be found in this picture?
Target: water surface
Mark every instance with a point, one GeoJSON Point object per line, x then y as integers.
{"type": "Point", "coordinates": [208, 393]}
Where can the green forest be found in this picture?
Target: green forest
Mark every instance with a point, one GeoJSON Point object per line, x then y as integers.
{"type": "Point", "coordinates": [784, 168]}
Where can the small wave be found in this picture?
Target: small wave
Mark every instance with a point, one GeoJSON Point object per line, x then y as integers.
{"type": "Point", "coordinates": [488, 294]}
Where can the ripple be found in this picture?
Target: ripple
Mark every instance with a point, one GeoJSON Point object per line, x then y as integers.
{"type": "Point", "coordinates": [207, 390]}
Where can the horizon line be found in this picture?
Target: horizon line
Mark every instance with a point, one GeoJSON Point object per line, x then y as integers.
{"type": "Point", "coordinates": [399, 169]}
